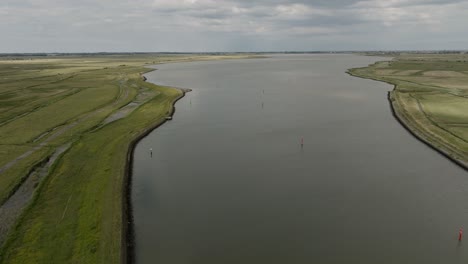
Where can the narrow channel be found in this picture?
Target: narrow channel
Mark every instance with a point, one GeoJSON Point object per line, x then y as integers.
{"type": "Point", "coordinates": [229, 182]}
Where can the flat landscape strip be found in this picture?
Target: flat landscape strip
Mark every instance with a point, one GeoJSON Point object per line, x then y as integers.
{"type": "Point", "coordinates": [428, 100]}
{"type": "Point", "coordinates": [91, 171]}
{"type": "Point", "coordinates": [77, 211]}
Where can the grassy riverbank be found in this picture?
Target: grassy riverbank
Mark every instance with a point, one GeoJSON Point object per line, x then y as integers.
{"type": "Point", "coordinates": [76, 213]}
{"type": "Point", "coordinates": [430, 97]}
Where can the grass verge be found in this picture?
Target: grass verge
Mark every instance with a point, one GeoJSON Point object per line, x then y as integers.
{"type": "Point", "coordinates": [76, 215]}
{"type": "Point", "coordinates": [430, 98]}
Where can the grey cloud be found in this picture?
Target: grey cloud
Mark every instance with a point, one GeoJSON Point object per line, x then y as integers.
{"type": "Point", "coordinates": [231, 25]}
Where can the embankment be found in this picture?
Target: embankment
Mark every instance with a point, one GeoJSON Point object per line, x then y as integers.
{"type": "Point", "coordinates": [128, 243]}
{"type": "Point", "coordinates": [396, 110]}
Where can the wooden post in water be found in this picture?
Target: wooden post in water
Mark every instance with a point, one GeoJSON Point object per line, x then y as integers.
{"type": "Point", "coordinates": [151, 152]}
{"type": "Point", "coordinates": [302, 142]}
{"type": "Point", "coordinates": [460, 234]}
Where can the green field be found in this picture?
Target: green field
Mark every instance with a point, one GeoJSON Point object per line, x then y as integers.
{"type": "Point", "coordinates": [430, 97]}
{"type": "Point", "coordinates": [76, 213]}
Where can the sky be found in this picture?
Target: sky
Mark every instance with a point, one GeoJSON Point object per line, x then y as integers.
{"type": "Point", "coordinates": [231, 25]}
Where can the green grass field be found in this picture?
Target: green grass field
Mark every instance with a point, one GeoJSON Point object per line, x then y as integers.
{"type": "Point", "coordinates": [76, 213]}
{"type": "Point", "coordinates": [431, 96]}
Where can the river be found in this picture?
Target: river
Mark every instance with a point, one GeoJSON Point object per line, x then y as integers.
{"type": "Point", "coordinates": [229, 182]}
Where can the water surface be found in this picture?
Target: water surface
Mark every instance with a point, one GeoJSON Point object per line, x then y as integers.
{"type": "Point", "coordinates": [228, 181]}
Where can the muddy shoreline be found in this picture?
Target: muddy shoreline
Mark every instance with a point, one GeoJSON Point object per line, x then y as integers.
{"type": "Point", "coordinates": [127, 241]}
{"type": "Point", "coordinates": [22, 196]}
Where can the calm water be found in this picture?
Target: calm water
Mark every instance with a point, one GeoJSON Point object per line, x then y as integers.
{"type": "Point", "coordinates": [228, 181]}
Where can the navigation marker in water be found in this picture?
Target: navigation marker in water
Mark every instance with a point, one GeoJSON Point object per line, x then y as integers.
{"type": "Point", "coordinates": [151, 152]}
{"type": "Point", "coordinates": [302, 142]}
{"type": "Point", "coordinates": [460, 234]}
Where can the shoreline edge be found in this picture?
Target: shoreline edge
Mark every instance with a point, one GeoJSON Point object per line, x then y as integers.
{"type": "Point", "coordinates": [412, 131]}
{"type": "Point", "coordinates": [127, 237]}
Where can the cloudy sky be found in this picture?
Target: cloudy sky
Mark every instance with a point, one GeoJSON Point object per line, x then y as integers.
{"type": "Point", "coordinates": [231, 25]}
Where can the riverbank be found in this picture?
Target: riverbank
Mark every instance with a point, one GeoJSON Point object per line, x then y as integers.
{"type": "Point", "coordinates": [128, 242]}
{"type": "Point", "coordinates": [416, 92]}
{"type": "Point", "coordinates": [406, 124]}
{"type": "Point", "coordinates": [76, 212]}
